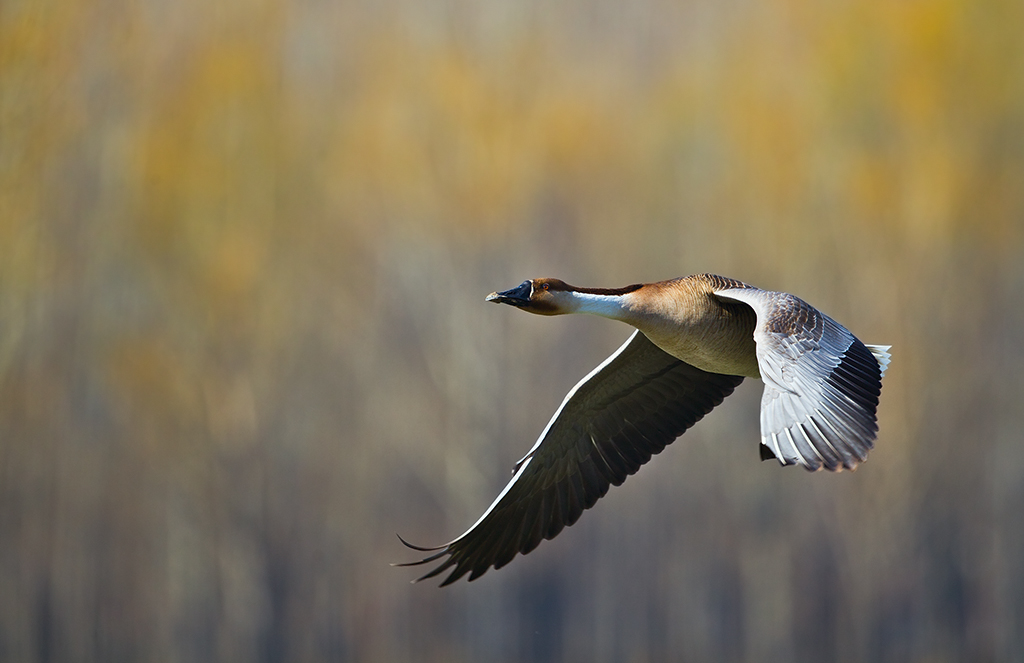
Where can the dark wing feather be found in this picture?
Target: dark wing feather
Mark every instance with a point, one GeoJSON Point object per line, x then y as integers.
{"type": "Point", "coordinates": [626, 410]}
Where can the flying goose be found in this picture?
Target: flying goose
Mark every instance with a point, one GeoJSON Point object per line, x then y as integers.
{"type": "Point", "coordinates": [696, 338]}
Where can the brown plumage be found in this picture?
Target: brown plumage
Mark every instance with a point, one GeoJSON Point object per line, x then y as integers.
{"type": "Point", "coordinates": [697, 338]}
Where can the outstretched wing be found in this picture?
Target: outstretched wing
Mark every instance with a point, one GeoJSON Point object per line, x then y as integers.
{"type": "Point", "coordinates": [821, 384]}
{"type": "Point", "coordinates": [627, 409]}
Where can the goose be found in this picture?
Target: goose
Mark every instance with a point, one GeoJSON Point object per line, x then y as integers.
{"type": "Point", "coordinates": [695, 339]}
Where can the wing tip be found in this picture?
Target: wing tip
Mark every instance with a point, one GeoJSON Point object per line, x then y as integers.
{"type": "Point", "coordinates": [419, 548]}
{"type": "Point", "coordinates": [439, 552]}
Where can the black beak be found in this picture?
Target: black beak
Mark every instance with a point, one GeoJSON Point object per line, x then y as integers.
{"type": "Point", "coordinates": [518, 296]}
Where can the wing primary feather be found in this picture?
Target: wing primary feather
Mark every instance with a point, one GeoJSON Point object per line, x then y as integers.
{"type": "Point", "coordinates": [835, 459]}
{"type": "Point", "coordinates": [419, 548]}
{"type": "Point", "coordinates": [855, 391]}
{"type": "Point", "coordinates": [778, 451]}
{"type": "Point", "coordinates": [535, 535]}
{"type": "Point", "coordinates": [857, 443]}
{"type": "Point", "coordinates": [645, 441]}
{"type": "Point", "coordinates": [858, 381]}
{"type": "Point", "coordinates": [577, 498]}
{"type": "Point", "coordinates": [595, 486]}
{"type": "Point", "coordinates": [601, 464]}
{"type": "Point", "coordinates": [853, 418]}
{"type": "Point", "coordinates": [829, 461]}
{"type": "Point", "coordinates": [558, 514]}
{"type": "Point", "coordinates": [504, 551]}
{"type": "Point", "coordinates": [561, 512]}
{"type": "Point", "coordinates": [630, 452]}
{"type": "Point", "coordinates": [526, 532]}
{"type": "Point", "coordinates": [807, 457]}
{"type": "Point", "coordinates": [448, 563]}
{"type": "Point", "coordinates": [616, 463]}
{"type": "Point", "coordinates": [859, 423]}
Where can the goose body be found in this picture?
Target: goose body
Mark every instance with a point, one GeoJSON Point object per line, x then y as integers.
{"type": "Point", "coordinates": [696, 339]}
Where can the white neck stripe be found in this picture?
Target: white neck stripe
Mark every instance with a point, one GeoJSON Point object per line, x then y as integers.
{"type": "Point", "coordinates": [608, 306]}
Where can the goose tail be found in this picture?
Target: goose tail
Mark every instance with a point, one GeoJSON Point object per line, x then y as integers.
{"type": "Point", "coordinates": [881, 353]}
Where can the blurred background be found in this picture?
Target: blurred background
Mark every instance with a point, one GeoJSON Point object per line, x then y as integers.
{"type": "Point", "coordinates": [244, 250]}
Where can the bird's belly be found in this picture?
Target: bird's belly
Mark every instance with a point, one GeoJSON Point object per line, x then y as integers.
{"type": "Point", "coordinates": [736, 358]}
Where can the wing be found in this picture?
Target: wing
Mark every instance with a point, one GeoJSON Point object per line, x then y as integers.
{"type": "Point", "coordinates": [821, 384]}
{"type": "Point", "coordinates": [627, 409]}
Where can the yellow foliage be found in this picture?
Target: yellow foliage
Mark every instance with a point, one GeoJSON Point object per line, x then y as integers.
{"type": "Point", "coordinates": [153, 387]}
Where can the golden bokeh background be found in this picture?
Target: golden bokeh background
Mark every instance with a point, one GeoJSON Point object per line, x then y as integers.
{"type": "Point", "coordinates": [244, 248]}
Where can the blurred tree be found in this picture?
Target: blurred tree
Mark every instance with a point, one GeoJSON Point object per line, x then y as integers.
{"type": "Point", "coordinates": [243, 253]}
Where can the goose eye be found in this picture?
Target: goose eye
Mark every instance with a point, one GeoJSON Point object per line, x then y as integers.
{"type": "Point", "coordinates": [545, 286]}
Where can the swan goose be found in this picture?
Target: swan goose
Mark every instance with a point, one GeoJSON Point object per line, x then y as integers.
{"type": "Point", "coordinates": [696, 338]}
